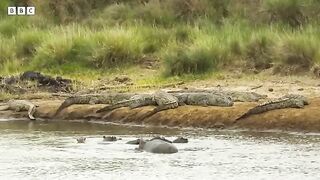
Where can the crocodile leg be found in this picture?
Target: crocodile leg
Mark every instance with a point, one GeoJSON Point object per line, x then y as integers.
{"type": "Point", "coordinates": [31, 111]}
{"type": "Point", "coordinates": [158, 109]}
{"type": "Point", "coordinates": [115, 106]}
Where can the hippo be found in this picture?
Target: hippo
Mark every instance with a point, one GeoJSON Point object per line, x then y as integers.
{"type": "Point", "coordinates": [180, 140]}
{"type": "Point", "coordinates": [161, 138]}
{"type": "Point", "coordinates": [81, 139]}
{"type": "Point", "coordinates": [134, 142]}
{"type": "Point", "coordinates": [157, 146]}
{"type": "Point", "coordinates": [137, 141]}
{"type": "Point", "coordinates": [110, 138]}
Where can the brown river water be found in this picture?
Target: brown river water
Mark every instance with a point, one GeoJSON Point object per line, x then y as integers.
{"type": "Point", "coordinates": [48, 150]}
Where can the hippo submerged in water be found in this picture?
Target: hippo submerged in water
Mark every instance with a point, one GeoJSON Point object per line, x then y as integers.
{"type": "Point", "coordinates": [177, 140]}
{"type": "Point", "coordinates": [180, 140]}
{"type": "Point", "coordinates": [81, 139]}
{"type": "Point", "coordinates": [110, 138]}
{"type": "Point", "coordinates": [157, 146]}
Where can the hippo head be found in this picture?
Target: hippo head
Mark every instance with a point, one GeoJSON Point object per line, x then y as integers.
{"type": "Point", "coordinates": [180, 140]}
{"type": "Point", "coordinates": [81, 140]}
{"type": "Point", "coordinates": [141, 144]}
{"type": "Point", "coordinates": [109, 138]}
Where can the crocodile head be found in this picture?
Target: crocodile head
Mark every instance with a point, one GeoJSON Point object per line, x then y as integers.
{"type": "Point", "coordinates": [224, 101]}
{"type": "Point", "coordinates": [298, 97]}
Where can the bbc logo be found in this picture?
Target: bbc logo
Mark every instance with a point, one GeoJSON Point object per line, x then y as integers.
{"type": "Point", "coordinates": [21, 11]}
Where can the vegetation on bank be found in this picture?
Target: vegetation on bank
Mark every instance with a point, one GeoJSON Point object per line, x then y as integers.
{"type": "Point", "coordinates": [183, 36]}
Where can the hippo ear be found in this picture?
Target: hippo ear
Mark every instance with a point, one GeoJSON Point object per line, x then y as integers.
{"type": "Point", "coordinates": [141, 143]}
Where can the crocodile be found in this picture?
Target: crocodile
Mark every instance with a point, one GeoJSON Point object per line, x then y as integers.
{"type": "Point", "coordinates": [160, 98]}
{"type": "Point", "coordinates": [93, 99]}
{"type": "Point", "coordinates": [203, 99]}
{"type": "Point", "coordinates": [134, 101]}
{"type": "Point", "coordinates": [287, 101]}
{"type": "Point", "coordinates": [157, 146]}
{"type": "Point", "coordinates": [20, 105]}
{"type": "Point", "coordinates": [165, 101]}
{"type": "Point", "coordinates": [198, 99]}
{"type": "Point", "coordinates": [236, 96]}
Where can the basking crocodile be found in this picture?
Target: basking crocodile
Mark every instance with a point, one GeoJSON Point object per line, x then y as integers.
{"type": "Point", "coordinates": [189, 97]}
{"type": "Point", "coordinates": [94, 99]}
{"type": "Point", "coordinates": [287, 101]}
{"type": "Point", "coordinates": [20, 105]}
{"type": "Point", "coordinates": [157, 146]}
{"type": "Point", "coordinates": [236, 96]}
{"type": "Point", "coordinates": [160, 98]}
{"type": "Point", "coordinates": [134, 101]}
{"type": "Point", "coordinates": [165, 101]}
{"type": "Point", "coordinates": [203, 99]}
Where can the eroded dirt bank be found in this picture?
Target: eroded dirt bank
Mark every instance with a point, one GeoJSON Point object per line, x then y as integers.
{"type": "Point", "coordinates": [306, 119]}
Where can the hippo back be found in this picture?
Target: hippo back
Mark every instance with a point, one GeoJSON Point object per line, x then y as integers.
{"type": "Point", "coordinates": [159, 146]}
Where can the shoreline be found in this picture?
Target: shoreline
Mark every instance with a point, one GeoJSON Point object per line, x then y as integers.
{"type": "Point", "coordinates": [290, 119]}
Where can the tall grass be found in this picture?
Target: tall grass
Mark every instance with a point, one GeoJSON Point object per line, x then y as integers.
{"type": "Point", "coordinates": [186, 36]}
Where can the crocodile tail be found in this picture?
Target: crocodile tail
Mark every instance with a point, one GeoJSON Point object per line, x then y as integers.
{"type": "Point", "coordinates": [68, 102]}
{"type": "Point", "coordinates": [156, 110]}
{"type": "Point", "coordinates": [241, 117]}
{"type": "Point", "coordinates": [148, 114]}
{"type": "Point", "coordinates": [106, 108]}
{"type": "Point", "coordinates": [4, 107]}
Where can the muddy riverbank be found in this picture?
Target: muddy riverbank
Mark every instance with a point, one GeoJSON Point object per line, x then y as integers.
{"type": "Point", "coordinates": [291, 119]}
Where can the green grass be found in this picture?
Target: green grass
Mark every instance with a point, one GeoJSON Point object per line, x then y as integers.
{"type": "Point", "coordinates": [189, 38]}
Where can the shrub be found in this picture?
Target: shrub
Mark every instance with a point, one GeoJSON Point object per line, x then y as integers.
{"type": "Point", "coordinates": [10, 26]}
{"type": "Point", "coordinates": [259, 53]}
{"type": "Point", "coordinates": [54, 52]}
{"type": "Point", "coordinates": [116, 48]}
{"type": "Point", "coordinates": [153, 39]}
{"type": "Point", "coordinates": [296, 55]}
{"type": "Point", "coordinates": [7, 50]}
{"type": "Point", "coordinates": [286, 11]}
{"type": "Point", "coordinates": [181, 60]}
{"type": "Point", "coordinates": [29, 41]}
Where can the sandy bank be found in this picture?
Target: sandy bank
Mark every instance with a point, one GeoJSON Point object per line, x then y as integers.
{"type": "Point", "coordinates": [306, 119]}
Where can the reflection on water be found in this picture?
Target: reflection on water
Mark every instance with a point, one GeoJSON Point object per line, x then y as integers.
{"type": "Point", "coordinates": [48, 150]}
